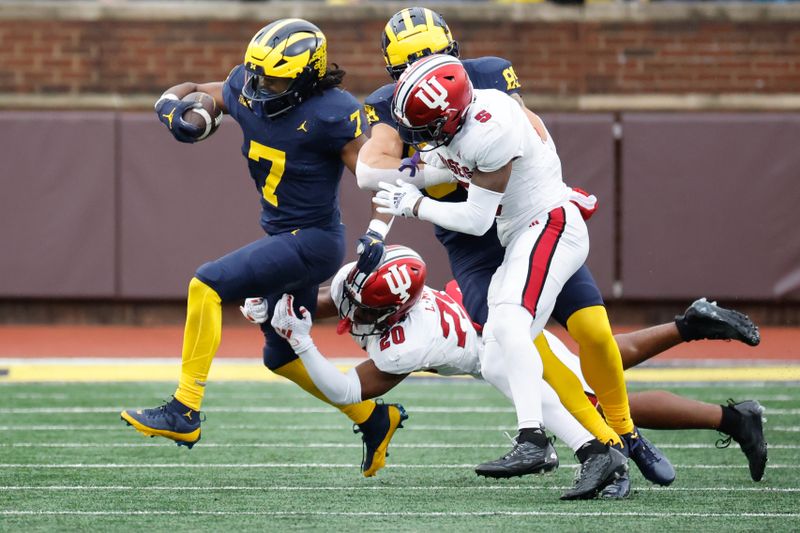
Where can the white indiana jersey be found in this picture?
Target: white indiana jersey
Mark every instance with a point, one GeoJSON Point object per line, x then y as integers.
{"type": "Point", "coordinates": [495, 131]}
{"type": "Point", "coordinates": [435, 335]}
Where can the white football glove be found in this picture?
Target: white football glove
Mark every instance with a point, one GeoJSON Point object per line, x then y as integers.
{"type": "Point", "coordinates": [397, 200]}
{"type": "Point", "coordinates": [254, 310]}
{"type": "Point", "coordinates": [296, 330]}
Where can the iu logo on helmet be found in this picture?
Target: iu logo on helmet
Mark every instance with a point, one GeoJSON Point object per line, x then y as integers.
{"type": "Point", "coordinates": [433, 94]}
{"type": "Point", "coordinates": [399, 281]}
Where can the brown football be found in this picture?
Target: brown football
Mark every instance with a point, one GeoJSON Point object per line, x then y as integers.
{"type": "Point", "coordinates": [208, 117]}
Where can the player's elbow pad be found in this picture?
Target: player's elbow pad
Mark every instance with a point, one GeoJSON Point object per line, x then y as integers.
{"type": "Point", "coordinates": [474, 217]}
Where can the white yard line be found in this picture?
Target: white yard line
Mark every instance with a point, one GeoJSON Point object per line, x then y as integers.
{"type": "Point", "coordinates": [246, 466]}
{"type": "Point", "coordinates": [369, 488]}
{"type": "Point", "coordinates": [405, 514]}
{"type": "Point", "coordinates": [322, 445]}
{"type": "Point", "coordinates": [295, 410]}
{"type": "Point", "coordinates": [272, 427]}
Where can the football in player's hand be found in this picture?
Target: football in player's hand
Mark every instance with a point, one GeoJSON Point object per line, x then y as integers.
{"type": "Point", "coordinates": [207, 117]}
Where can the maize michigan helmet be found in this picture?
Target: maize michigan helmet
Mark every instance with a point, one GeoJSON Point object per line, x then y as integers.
{"type": "Point", "coordinates": [292, 49]}
{"type": "Point", "coordinates": [412, 33]}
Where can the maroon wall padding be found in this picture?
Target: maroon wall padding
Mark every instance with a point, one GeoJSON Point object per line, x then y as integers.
{"type": "Point", "coordinates": [711, 206]}
{"type": "Point", "coordinates": [57, 232]}
{"type": "Point", "coordinates": [585, 145]}
{"type": "Point", "coordinates": [182, 205]}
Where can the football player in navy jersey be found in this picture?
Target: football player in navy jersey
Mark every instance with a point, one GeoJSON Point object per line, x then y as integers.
{"type": "Point", "coordinates": [411, 34]}
{"type": "Point", "coordinates": [300, 130]}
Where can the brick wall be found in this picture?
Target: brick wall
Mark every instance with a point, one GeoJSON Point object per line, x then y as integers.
{"type": "Point", "coordinates": [556, 51]}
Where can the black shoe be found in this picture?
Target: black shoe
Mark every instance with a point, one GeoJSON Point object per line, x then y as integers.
{"type": "Point", "coordinates": [525, 458]}
{"type": "Point", "coordinates": [618, 489]}
{"type": "Point", "coordinates": [707, 320]}
{"type": "Point", "coordinates": [596, 472]}
{"type": "Point", "coordinates": [172, 420]}
{"type": "Point", "coordinates": [652, 463]}
{"type": "Point", "coordinates": [377, 431]}
{"type": "Point", "coordinates": [749, 433]}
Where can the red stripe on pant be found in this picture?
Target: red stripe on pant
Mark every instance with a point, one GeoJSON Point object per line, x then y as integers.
{"type": "Point", "coordinates": [592, 398]}
{"type": "Point", "coordinates": [541, 257]}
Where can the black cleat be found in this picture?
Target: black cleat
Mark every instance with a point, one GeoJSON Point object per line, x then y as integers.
{"type": "Point", "coordinates": [652, 463]}
{"type": "Point", "coordinates": [707, 320]}
{"type": "Point", "coordinates": [525, 458]}
{"type": "Point", "coordinates": [172, 420]}
{"type": "Point", "coordinates": [596, 472]}
{"type": "Point", "coordinates": [749, 433]}
{"type": "Point", "coordinates": [618, 489]}
{"type": "Point", "coordinates": [377, 432]}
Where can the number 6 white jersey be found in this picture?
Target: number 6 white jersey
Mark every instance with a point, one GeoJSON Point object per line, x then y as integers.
{"type": "Point", "coordinates": [496, 130]}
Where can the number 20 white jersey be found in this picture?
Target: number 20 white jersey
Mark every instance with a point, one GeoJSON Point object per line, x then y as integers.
{"type": "Point", "coordinates": [496, 130]}
{"type": "Point", "coordinates": [436, 335]}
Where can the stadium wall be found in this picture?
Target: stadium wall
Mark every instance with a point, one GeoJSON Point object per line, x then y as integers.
{"type": "Point", "coordinates": [681, 118]}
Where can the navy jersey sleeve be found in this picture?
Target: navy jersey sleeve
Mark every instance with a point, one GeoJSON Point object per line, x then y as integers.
{"type": "Point", "coordinates": [343, 118]}
{"type": "Point", "coordinates": [232, 92]}
{"type": "Point", "coordinates": [492, 73]}
{"type": "Point", "coordinates": [378, 106]}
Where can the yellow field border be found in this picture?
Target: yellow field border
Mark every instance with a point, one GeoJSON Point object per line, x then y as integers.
{"type": "Point", "coordinates": [120, 370]}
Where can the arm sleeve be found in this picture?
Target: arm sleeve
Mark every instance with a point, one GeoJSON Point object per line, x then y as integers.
{"type": "Point", "coordinates": [368, 177]}
{"type": "Point", "coordinates": [474, 217]}
{"type": "Point", "coordinates": [339, 388]}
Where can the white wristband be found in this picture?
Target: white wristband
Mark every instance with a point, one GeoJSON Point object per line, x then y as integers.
{"type": "Point", "coordinates": [379, 226]}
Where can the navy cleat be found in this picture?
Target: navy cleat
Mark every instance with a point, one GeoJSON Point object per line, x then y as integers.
{"type": "Point", "coordinates": [525, 458]}
{"type": "Point", "coordinates": [618, 489]}
{"type": "Point", "coordinates": [707, 320]}
{"type": "Point", "coordinates": [172, 420]}
{"type": "Point", "coordinates": [748, 432]}
{"type": "Point", "coordinates": [601, 465]}
{"type": "Point", "coordinates": [654, 465]}
{"type": "Point", "coordinates": [377, 432]}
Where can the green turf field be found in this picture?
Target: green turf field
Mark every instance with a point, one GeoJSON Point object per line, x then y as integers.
{"type": "Point", "coordinates": [273, 458]}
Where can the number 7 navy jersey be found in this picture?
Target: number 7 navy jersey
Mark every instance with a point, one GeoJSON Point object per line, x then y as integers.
{"type": "Point", "coordinates": [295, 160]}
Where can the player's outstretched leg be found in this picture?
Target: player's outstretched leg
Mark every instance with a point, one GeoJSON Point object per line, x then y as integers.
{"type": "Point", "coordinates": [376, 433]}
{"type": "Point", "coordinates": [652, 463]}
{"type": "Point", "coordinates": [742, 422]}
{"type": "Point", "coordinates": [532, 453]}
{"type": "Point", "coordinates": [172, 420]}
{"type": "Point", "coordinates": [707, 320]}
{"type": "Point", "coordinates": [179, 419]}
{"type": "Point", "coordinates": [601, 465]}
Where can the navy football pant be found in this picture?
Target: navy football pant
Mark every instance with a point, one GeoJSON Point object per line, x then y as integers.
{"type": "Point", "coordinates": [293, 262]}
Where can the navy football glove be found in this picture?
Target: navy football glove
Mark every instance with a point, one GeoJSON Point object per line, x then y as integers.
{"type": "Point", "coordinates": [411, 164]}
{"type": "Point", "coordinates": [370, 251]}
{"type": "Point", "coordinates": [170, 112]}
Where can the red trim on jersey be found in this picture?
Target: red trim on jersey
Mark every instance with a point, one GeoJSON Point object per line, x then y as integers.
{"type": "Point", "coordinates": [454, 291]}
{"type": "Point", "coordinates": [541, 257]}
